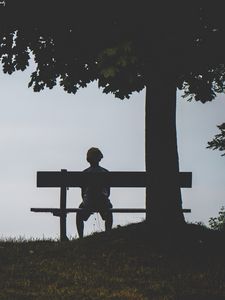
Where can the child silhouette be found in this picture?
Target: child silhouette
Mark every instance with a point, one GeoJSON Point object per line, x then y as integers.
{"type": "Point", "coordinates": [95, 198]}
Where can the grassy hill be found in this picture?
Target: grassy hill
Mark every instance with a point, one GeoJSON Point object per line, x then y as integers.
{"type": "Point", "coordinates": [128, 263]}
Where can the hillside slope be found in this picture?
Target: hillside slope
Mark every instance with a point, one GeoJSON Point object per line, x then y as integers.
{"type": "Point", "coordinates": [128, 263]}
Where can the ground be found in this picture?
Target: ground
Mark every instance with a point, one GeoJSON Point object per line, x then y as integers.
{"type": "Point", "coordinates": [130, 262]}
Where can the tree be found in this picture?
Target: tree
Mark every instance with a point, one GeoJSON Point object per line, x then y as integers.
{"type": "Point", "coordinates": [219, 140]}
{"type": "Point", "coordinates": [125, 46]}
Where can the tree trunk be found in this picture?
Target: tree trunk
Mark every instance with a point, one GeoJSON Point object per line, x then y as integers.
{"type": "Point", "coordinates": [163, 196]}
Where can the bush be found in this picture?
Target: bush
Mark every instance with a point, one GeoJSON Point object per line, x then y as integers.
{"type": "Point", "coordinates": [218, 223]}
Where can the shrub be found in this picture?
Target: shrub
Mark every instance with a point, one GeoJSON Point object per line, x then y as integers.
{"type": "Point", "coordinates": [218, 223]}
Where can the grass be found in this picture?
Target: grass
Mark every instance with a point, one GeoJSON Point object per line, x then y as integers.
{"type": "Point", "coordinates": [128, 263]}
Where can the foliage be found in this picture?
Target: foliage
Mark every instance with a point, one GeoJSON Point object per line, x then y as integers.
{"type": "Point", "coordinates": [124, 265]}
{"type": "Point", "coordinates": [219, 140]}
{"type": "Point", "coordinates": [218, 223]}
{"type": "Point", "coordinates": [123, 48]}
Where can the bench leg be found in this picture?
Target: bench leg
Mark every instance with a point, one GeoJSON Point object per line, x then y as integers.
{"type": "Point", "coordinates": [63, 236]}
{"type": "Point", "coordinates": [63, 215]}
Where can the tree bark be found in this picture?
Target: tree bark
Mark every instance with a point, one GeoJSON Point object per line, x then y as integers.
{"type": "Point", "coordinates": [163, 196]}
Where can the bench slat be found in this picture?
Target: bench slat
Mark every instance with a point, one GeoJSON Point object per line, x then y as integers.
{"type": "Point", "coordinates": [112, 179]}
{"type": "Point", "coordinates": [115, 210]}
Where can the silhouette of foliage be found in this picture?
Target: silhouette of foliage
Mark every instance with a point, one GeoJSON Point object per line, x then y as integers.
{"type": "Point", "coordinates": [121, 48]}
{"type": "Point", "coordinates": [218, 223]}
{"type": "Point", "coordinates": [219, 140]}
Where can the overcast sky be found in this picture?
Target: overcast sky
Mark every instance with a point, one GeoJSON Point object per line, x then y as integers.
{"type": "Point", "coordinates": [52, 130]}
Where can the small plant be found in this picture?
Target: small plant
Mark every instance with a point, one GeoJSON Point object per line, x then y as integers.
{"type": "Point", "coordinates": [218, 223]}
{"type": "Point", "coordinates": [200, 223]}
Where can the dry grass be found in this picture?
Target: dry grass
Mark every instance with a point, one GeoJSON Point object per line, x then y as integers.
{"type": "Point", "coordinates": [129, 263]}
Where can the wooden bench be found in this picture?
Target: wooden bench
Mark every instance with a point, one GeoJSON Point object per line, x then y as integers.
{"type": "Point", "coordinates": [65, 180]}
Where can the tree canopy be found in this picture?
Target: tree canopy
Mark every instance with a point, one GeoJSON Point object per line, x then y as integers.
{"type": "Point", "coordinates": [122, 44]}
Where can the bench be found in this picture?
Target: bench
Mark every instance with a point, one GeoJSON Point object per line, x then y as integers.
{"type": "Point", "coordinates": [65, 180]}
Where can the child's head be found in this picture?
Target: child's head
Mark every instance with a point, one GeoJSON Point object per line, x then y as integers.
{"type": "Point", "coordinates": [94, 155]}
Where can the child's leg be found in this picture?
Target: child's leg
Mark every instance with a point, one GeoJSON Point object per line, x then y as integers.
{"type": "Point", "coordinates": [80, 224]}
{"type": "Point", "coordinates": [108, 217]}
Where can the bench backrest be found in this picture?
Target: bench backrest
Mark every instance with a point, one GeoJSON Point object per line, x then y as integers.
{"type": "Point", "coordinates": [112, 179]}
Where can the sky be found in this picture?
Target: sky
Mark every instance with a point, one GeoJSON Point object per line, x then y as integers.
{"type": "Point", "coordinates": [52, 130]}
